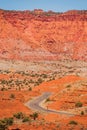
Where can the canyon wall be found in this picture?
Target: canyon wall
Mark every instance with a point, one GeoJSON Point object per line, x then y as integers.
{"type": "Point", "coordinates": [38, 35]}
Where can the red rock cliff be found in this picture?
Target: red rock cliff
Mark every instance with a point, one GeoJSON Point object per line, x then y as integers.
{"type": "Point", "coordinates": [39, 35]}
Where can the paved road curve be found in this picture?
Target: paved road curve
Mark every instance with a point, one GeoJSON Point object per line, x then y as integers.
{"type": "Point", "coordinates": [35, 105]}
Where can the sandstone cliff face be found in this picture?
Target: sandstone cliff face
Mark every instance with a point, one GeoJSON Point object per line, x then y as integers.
{"type": "Point", "coordinates": [39, 35]}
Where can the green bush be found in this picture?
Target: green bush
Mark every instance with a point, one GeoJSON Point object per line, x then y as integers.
{"type": "Point", "coordinates": [19, 115]}
{"type": "Point", "coordinates": [4, 123]}
{"type": "Point", "coordinates": [25, 119]}
{"type": "Point", "coordinates": [9, 120]}
{"type": "Point", "coordinates": [34, 115]}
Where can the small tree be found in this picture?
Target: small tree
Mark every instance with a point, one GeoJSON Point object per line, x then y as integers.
{"type": "Point", "coordinates": [34, 115]}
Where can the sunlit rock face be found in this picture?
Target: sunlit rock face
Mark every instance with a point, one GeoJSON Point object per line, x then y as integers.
{"type": "Point", "coordinates": [38, 35]}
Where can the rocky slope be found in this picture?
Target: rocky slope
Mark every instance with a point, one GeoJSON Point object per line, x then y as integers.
{"type": "Point", "coordinates": [39, 35]}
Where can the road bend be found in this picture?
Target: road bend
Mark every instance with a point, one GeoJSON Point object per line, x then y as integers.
{"type": "Point", "coordinates": [35, 104]}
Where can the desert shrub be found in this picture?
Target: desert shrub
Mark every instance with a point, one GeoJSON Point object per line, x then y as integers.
{"type": "Point", "coordinates": [73, 122]}
{"type": "Point", "coordinates": [6, 71]}
{"type": "Point", "coordinates": [82, 112]}
{"type": "Point", "coordinates": [47, 100]}
{"type": "Point", "coordinates": [44, 75]}
{"type": "Point", "coordinates": [10, 81]}
{"type": "Point", "coordinates": [3, 81]}
{"type": "Point", "coordinates": [32, 75]}
{"type": "Point", "coordinates": [30, 89]}
{"type": "Point", "coordinates": [53, 78]}
{"type": "Point", "coordinates": [19, 115]}
{"type": "Point", "coordinates": [3, 89]}
{"type": "Point", "coordinates": [31, 81]}
{"type": "Point", "coordinates": [40, 80]}
{"type": "Point", "coordinates": [26, 119]}
{"type": "Point", "coordinates": [68, 86]}
{"type": "Point", "coordinates": [36, 84]}
{"type": "Point", "coordinates": [34, 115]}
{"type": "Point", "coordinates": [9, 120]}
{"type": "Point", "coordinates": [4, 123]}
{"type": "Point", "coordinates": [78, 104]}
{"type": "Point", "coordinates": [12, 96]}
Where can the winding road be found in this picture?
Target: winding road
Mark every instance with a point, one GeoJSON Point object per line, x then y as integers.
{"type": "Point", "coordinates": [35, 104]}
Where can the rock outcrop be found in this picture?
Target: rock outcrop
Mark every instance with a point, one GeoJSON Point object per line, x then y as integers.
{"type": "Point", "coordinates": [39, 35]}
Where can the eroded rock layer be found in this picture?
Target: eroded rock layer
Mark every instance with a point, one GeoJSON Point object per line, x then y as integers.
{"type": "Point", "coordinates": [39, 35]}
